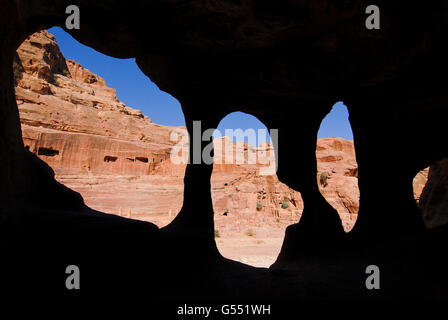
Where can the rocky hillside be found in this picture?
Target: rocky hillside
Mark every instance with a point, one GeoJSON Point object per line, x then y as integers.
{"type": "Point", "coordinates": [120, 161]}
{"type": "Point", "coordinates": [75, 122]}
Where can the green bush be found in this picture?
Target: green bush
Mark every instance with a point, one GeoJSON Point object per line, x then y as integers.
{"type": "Point", "coordinates": [217, 235]}
{"type": "Point", "coordinates": [323, 178]}
{"type": "Point", "coordinates": [259, 206]}
{"type": "Point", "coordinates": [285, 204]}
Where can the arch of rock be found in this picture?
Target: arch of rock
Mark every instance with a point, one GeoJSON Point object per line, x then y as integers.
{"type": "Point", "coordinates": [285, 63]}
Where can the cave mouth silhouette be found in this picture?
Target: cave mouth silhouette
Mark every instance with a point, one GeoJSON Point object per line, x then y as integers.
{"type": "Point", "coordinates": [112, 168]}
{"type": "Point", "coordinates": [287, 76]}
{"type": "Point", "coordinates": [337, 168]}
{"type": "Point", "coordinates": [251, 207]}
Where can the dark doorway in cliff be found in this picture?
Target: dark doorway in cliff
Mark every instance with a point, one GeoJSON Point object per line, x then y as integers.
{"type": "Point", "coordinates": [97, 121]}
{"type": "Point", "coordinates": [337, 170]}
{"type": "Point", "coordinates": [110, 159]}
{"type": "Point", "coordinates": [142, 159]}
{"type": "Point", "coordinates": [48, 152]}
{"type": "Point", "coordinates": [252, 208]}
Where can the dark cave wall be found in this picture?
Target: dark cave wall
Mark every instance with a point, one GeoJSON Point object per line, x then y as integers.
{"type": "Point", "coordinates": [11, 146]}
{"type": "Point", "coordinates": [286, 63]}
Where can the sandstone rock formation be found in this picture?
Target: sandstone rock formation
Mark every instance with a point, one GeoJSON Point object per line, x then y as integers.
{"type": "Point", "coordinates": [336, 160]}
{"type": "Point", "coordinates": [76, 124]}
{"type": "Point", "coordinates": [79, 127]}
{"type": "Point", "coordinates": [434, 198]}
{"type": "Point", "coordinates": [419, 183]}
{"type": "Point", "coordinates": [286, 63]}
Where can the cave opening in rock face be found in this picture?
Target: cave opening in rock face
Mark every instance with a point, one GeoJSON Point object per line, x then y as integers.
{"type": "Point", "coordinates": [431, 193]}
{"type": "Point", "coordinates": [95, 143]}
{"type": "Point", "coordinates": [337, 169]}
{"type": "Point", "coordinates": [285, 63]}
{"type": "Point", "coordinates": [110, 159]}
{"type": "Point", "coordinates": [252, 208]}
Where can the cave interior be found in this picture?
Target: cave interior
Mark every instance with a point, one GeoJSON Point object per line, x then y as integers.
{"type": "Point", "coordinates": [286, 63]}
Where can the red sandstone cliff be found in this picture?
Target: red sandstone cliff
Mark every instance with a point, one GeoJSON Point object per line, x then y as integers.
{"type": "Point", "coordinates": [73, 121]}
{"type": "Point", "coordinates": [338, 177]}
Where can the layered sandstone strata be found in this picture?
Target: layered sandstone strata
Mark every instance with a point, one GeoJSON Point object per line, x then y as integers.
{"type": "Point", "coordinates": [338, 177]}
{"type": "Point", "coordinates": [285, 62]}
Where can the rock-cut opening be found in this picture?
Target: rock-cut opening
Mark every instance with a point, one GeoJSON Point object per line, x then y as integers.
{"type": "Point", "coordinates": [252, 207]}
{"type": "Point", "coordinates": [337, 169]}
{"type": "Point", "coordinates": [110, 159]}
{"type": "Point", "coordinates": [114, 155]}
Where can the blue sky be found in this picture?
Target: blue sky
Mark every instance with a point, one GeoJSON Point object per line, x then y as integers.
{"type": "Point", "coordinates": [137, 91]}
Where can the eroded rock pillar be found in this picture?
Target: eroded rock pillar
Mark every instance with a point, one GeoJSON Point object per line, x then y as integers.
{"type": "Point", "coordinates": [387, 163]}
{"type": "Point", "coordinates": [196, 214]}
{"type": "Point", "coordinates": [297, 167]}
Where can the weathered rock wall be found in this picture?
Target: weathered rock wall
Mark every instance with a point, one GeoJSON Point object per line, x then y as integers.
{"type": "Point", "coordinates": [83, 153]}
